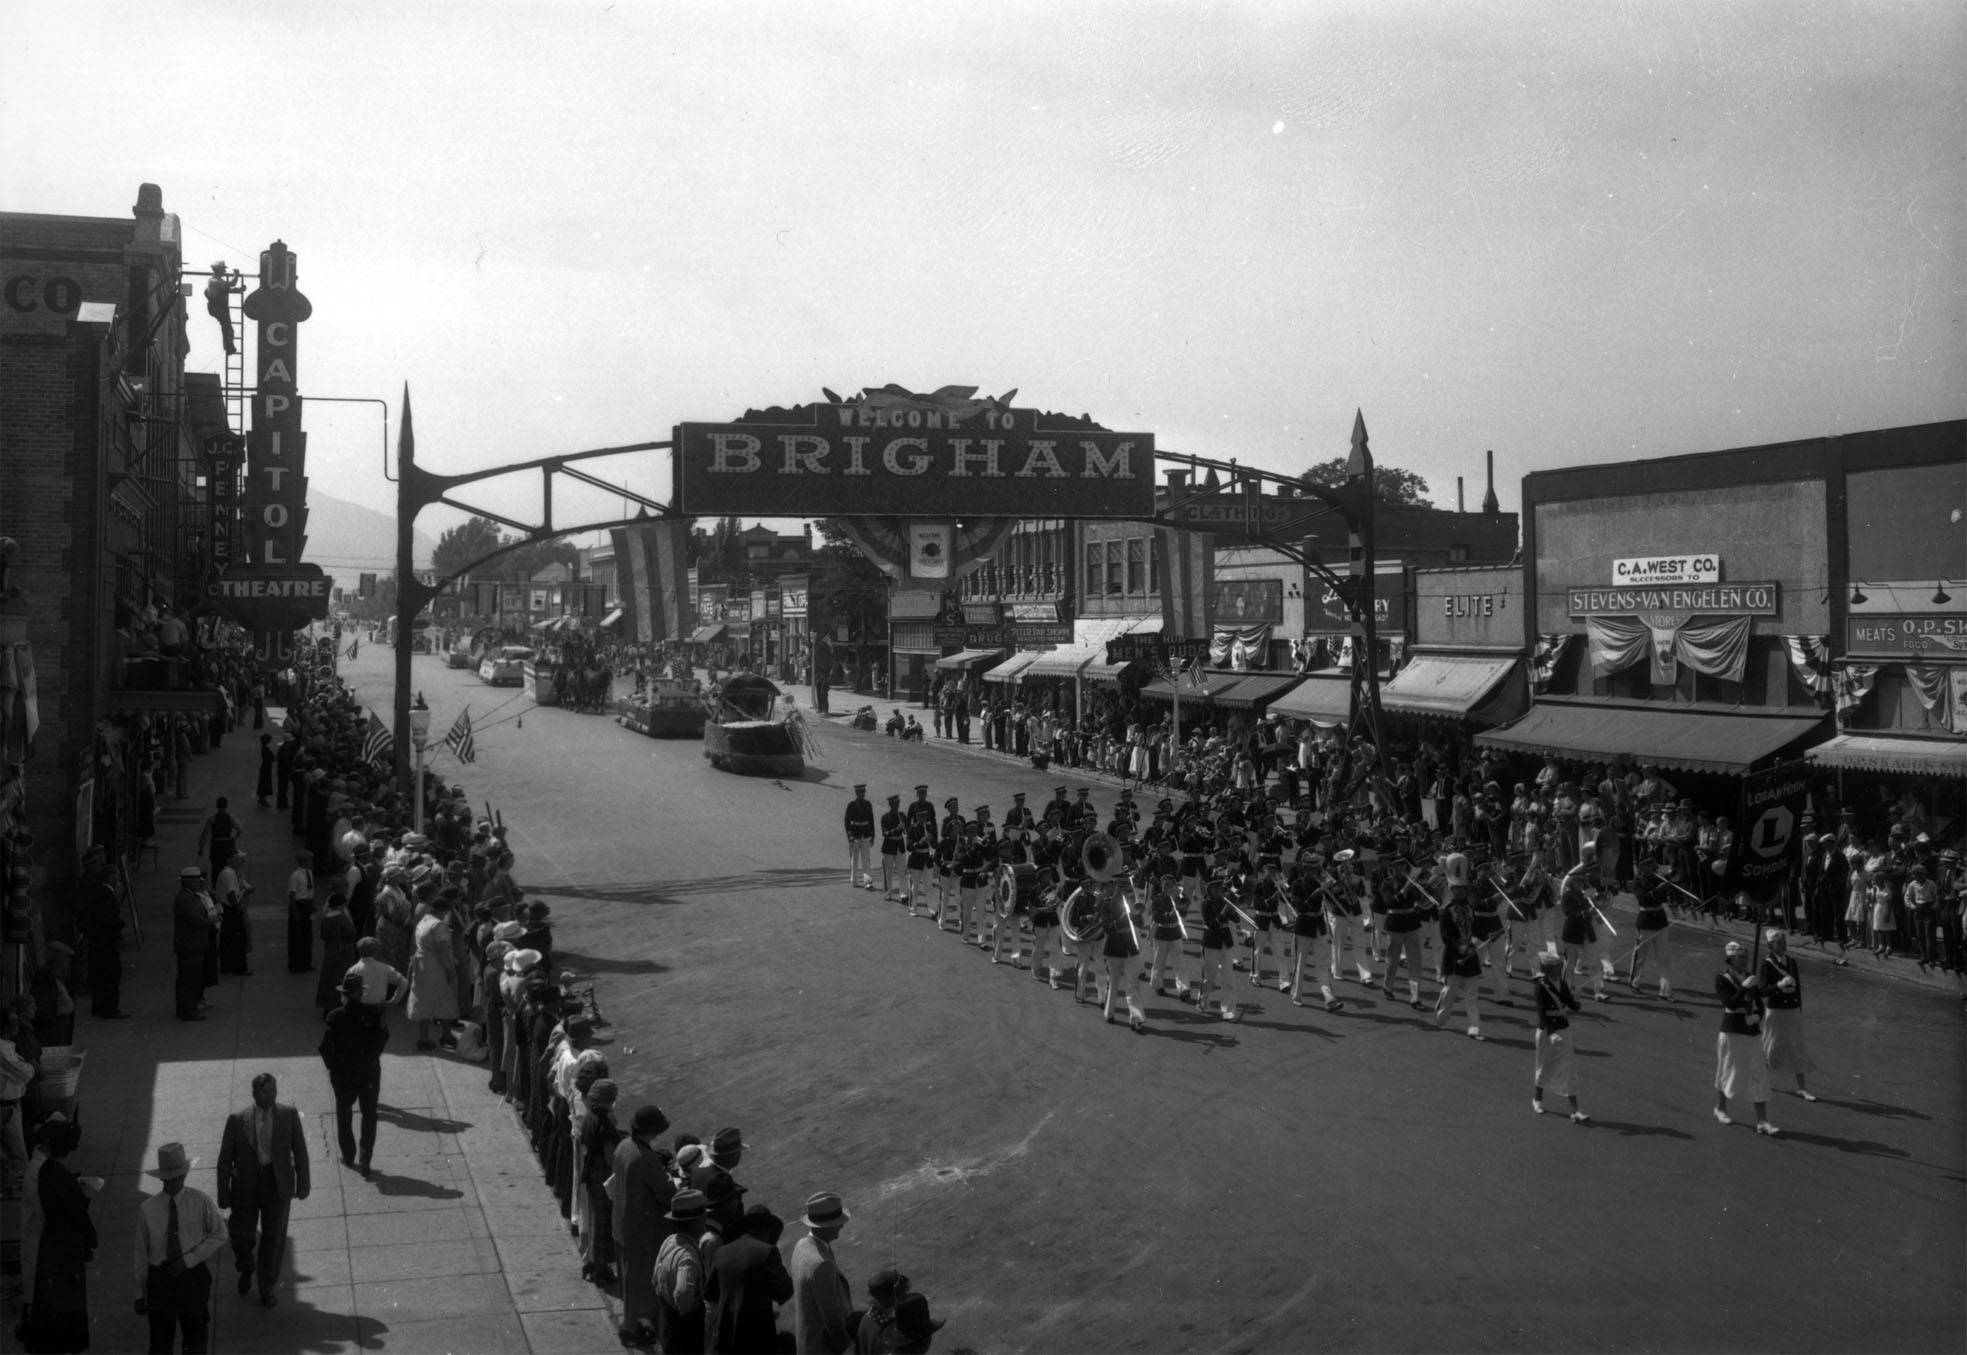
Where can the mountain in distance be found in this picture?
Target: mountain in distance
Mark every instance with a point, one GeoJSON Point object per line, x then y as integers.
{"type": "Point", "coordinates": [348, 540]}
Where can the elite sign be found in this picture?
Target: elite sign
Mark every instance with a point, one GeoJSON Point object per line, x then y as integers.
{"type": "Point", "coordinates": [891, 453]}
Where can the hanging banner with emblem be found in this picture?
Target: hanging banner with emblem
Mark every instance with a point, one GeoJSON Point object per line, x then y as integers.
{"type": "Point", "coordinates": [1768, 843]}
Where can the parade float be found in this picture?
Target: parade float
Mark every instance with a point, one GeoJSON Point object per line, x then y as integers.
{"type": "Point", "coordinates": [754, 729]}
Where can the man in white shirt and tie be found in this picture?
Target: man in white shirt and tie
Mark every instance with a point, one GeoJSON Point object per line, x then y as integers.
{"type": "Point", "coordinates": [178, 1232]}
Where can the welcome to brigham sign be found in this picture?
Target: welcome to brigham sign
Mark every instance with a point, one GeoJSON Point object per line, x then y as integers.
{"type": "Point", "coordinates": [849, 460]}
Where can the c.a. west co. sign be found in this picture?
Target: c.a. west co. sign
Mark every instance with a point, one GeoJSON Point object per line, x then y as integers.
{"type": "Point", "coordinates": [893, 453]}
{"type": "Point", "coordinates": [1729, 599]}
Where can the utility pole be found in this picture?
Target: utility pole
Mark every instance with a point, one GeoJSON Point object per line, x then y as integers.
{"type": "Point", "coordinates": [408, 603]}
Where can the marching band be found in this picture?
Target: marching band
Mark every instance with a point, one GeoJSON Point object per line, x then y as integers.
{"type": "Point", "coordinates": [1280, 900]}
{"type": "Point", "coordinates": [1114, 909]}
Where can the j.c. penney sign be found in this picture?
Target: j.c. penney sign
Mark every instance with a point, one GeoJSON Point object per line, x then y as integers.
{"type": "Point", "coordinates": [890, 454]}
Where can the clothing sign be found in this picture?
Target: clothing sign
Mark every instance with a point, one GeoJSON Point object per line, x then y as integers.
{"type": "Point", "coordinates": [1654, 569]}
{"type": "Point", "coordinates": [1767, 846]}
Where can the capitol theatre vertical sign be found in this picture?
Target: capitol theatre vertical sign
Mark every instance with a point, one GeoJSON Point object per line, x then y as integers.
{"type": "Point", "coordinates": [273, 593]}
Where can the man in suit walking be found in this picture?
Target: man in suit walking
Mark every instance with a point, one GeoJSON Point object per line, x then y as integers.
{"type": "Point", "coordinates": [642, 1191]}
{"type": "Point", "coordinates": [262, 1170]}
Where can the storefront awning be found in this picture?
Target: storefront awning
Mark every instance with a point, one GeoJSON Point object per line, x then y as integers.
{"type": "Point", "coordinates": [1688, 740]}
{"type": "Point", "coordinates": [703, 635]}
{"type": "Point", "coordinates": [1258, 690]}
{"type": "Point", "coordinates": [612, 618]}
{"type": "Point", "coordinates": [1099, 670]}
{"type": "Point", "coordinates": [967, 658]}
{"type": "Point", "coordinates": [1322, 700]}
{"type": "Point", "coordinates": [1063, 663]}
{"type": "Point", "coordinates": [1457, 686]}
{"type": "Point", "coordinates": [1092, 632]}
{"type": "Point", "coordinates": [1211, 685]}
{"type": "Point", "coordinates": [1884, 753]}
{"type": "Point", "coordinates": [1013, 668]}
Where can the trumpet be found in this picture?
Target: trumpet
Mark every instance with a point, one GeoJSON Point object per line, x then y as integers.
{"type": "Point", "coordinates": [1286, 914]}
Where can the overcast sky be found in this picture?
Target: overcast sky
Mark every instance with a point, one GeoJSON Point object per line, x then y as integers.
{"type": "Point", "coordinates": [1568, 232]}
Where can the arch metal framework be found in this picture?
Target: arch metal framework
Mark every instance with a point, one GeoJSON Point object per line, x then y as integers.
{"type": "Point", "coordinates": [1263, 523]}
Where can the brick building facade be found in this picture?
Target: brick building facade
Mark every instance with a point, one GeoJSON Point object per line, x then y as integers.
{"type": "Point", "coordinates": [103, 493]}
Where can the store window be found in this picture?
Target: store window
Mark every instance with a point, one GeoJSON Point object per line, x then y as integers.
{"type": "Point", "coordinates": [1137, 566]}
{"type": "Point", "coordinates": [1154, 564]}
{"type": "Point", "coordinates": [1116, 578]}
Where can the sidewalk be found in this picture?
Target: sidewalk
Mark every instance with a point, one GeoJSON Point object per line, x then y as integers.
{"type": "Point", "coordinates": [1689, 938]}
{"type": "Point", "coordinates": [454, 1244]}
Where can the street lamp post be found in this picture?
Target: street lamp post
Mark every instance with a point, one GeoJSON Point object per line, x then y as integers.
{"type": "Point", "coordinates": [419, 733]}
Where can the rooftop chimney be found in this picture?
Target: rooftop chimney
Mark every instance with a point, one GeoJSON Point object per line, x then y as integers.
{"type": "Point", "coordinates": [1461, 504]}
{"type": "Point", "coordinates": [1489, 503]}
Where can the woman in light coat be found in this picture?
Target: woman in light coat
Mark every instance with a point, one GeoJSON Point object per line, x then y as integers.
{"type": "Point", "coordinates": [433, 974]}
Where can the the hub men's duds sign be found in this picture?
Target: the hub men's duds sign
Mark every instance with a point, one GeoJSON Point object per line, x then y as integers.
{"type": "Point", "coordinates": [273, 593]}
{"type": "Point", "coordinates": [889, 452]}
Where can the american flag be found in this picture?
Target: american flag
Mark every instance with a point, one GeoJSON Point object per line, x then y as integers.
{"type": "Point", "coordinates": [379, 746]}
{"type": "Point", "coordinates": [459, 739]}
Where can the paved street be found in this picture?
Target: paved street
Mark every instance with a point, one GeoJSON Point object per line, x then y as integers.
{"type": "Point", "coordinates": [1296, 1180]}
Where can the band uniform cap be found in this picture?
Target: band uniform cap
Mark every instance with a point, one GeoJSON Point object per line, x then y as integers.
{"type": "Point", "coordinates": [726, 1141]}
{"type": "Point", "coordinates": [950, 803]}
{"type": "Point", "coordinates": [912, 1320]}
{"type": "Point", "coordinates": [1019, 795]}
{"type": "Point", "coordinates": [862, 786]}
{"type": "Point", "coordinates": [1058, 790]}
{"type": "Point", "coordinates": [983, 809]}
{"type": "Point", "coordinates": [825, 1210]}
{"type": "Point", "coordinates": [687, 1206]}
{"type": "Point", "coordinates": [1734, 948]}
{"type": "Point", "coordinates": [922, 790]}
{"type": "Point", "coordinates": [1771, 935]}
{"type": "Point", "coordinates": [895, 799]}
{"type": "Point", "coordinates": [192, 873]}
{"type": "Point", "coordinates": [1549, 960]}
{"type": "Point", "coordinates": [172, 1163]}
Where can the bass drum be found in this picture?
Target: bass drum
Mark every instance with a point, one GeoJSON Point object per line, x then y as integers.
{"type": "Point", "coordinates": [1017, 889]}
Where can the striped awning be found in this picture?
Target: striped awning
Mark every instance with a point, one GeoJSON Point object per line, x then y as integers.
{"type": "Point", "coordinates": [1013, 668]}
{"type": "Point", "coordinates": [1258, 690]}
{"type": "Point", "coordinates": [967, 658]}
{"type": "Point", "coordinates": [1885, 753]}
{"type": "Point", "coordinates": [1063, 663]}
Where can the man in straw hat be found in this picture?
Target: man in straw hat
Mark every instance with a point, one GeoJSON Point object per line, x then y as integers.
{"type": "Point", "coordinates": [822, 1301]}
{"type": "Point", "coordinates": [178, 1232]}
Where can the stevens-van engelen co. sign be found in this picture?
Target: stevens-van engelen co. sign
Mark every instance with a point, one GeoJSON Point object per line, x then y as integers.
{"type": "Point", "coordinates": [890, 453]}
